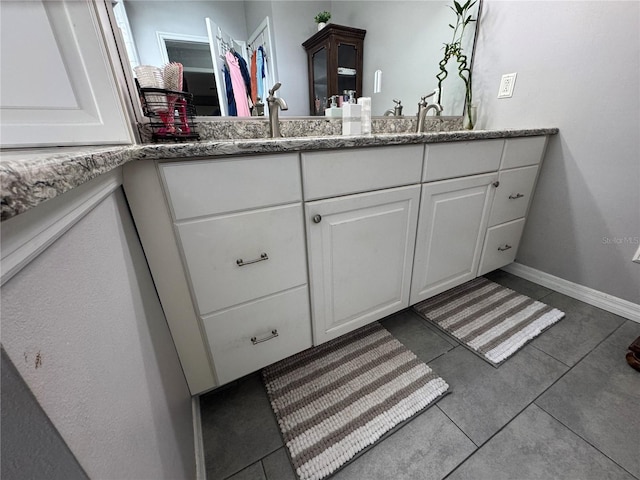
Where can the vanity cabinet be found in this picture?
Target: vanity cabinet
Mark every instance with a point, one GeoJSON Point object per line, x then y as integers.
{"type": "Point", "coordinates": [451, 230]}
{"type": "Point", "coordinates": [256, 258]}
{"type": "Point", "coordinates": [226, 247]}
{"type": "Point", "coordinates": [519, 169]}
{"type": "Point", "coordinates": [360, 256]}
{"type": "Point", "coordinates": [334, 58]}
{"type": "Point", "coordinates": [361, 227]}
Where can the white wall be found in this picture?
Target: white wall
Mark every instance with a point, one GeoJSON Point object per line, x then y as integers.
{"type": "Point", "coordinates": [108, 376]}
{"type": "Point", "coordinates": [185, 17]}
{"type": "Point", "coordinates": [404, 39]}
{"type": "Point", "coordinates": [293, 24]}
{"type": "Point", "coordinates": [578, 66]}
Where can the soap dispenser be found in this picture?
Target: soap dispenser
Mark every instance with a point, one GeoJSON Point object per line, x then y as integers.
{"type": "Point", "coordinates": [333, 110]}
{"type": "Point", "coordinates": [351, 116]}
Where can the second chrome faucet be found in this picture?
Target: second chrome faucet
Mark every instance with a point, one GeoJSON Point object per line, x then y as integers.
{"type": "Point", "coordinates": [423, 109]}
{"type": "Point", "coordinates": [275, 104]}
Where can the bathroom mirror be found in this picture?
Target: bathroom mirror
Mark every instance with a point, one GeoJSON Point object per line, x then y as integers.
{"type": "Point", "coordinates": [404, 41]}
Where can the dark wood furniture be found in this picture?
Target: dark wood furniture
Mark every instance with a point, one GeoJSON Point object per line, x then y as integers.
{"type": "Point", "coordinates": [334, 56]}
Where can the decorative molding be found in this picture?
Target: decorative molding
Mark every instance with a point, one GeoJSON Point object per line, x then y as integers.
{"type": "Point", "coordinates": [27, 235]}
{"type": "Point", "coordinates": [201, 471]}
{"type": "Point", "coordinates": [599, 299]}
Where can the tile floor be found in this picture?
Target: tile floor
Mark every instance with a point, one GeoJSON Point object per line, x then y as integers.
{"type": "Point", "coordinates": [566, 406]}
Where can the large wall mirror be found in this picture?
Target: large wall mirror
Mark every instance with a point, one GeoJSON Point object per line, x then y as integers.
{"type": "Point", "coordinates": [404, 41]}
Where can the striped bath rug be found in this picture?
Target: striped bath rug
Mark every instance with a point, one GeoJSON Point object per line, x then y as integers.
{"type": "Point", "coordinates": [491, 320]}
{"type": "Point", "coordinates": [335, 400]}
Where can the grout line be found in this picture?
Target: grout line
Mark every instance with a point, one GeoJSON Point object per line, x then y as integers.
{"type": "Point", "coordinates": [549, 355]}
{"type": "Point", "coordinates": [458, 427]}
{"type": "Point", "coordinates": [533, 402]}
{"type": "Point", "coordinates": [253, 463]}
{"type": "Point", "coordinates": [263, 470]}
{"type": "Point", "coordinates": [584, 439]}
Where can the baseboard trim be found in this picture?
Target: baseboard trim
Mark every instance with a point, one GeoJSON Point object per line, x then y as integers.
{"type": "Point", "coordinates": [201, 471]}
{"type": "Point", "coordinates": [599, 299]}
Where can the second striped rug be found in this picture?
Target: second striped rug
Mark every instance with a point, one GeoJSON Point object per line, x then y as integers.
{"type": "Point", "coordinates": [335, 400]}
{"type": "Point", "coordinates": [491, 320]}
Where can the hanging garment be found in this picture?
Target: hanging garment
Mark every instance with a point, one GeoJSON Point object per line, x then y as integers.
{"type": "Point", "coordinates": [231, 101]}
{"type": "Point", "coordinates": [254, 76]}
{"type": "Point", "coordinates": [260, 75]}
{"type": "Point", "coordinates": [244, 70]}
{"type": "Point", "coordinates": [238, 85]}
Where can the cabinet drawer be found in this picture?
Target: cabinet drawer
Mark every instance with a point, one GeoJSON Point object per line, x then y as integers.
{"type": "Point", "coordinates": [458, 159]}
{"type": "Point", "coordinates": [230, 333]}
{"type": "Point", "coordinates": [513, 195]}
{"type": "Point", "coordinates": [208, 187]}
{"type": "Point", "coordinates": [500, 246]}
{"type": "Point", "coordinates": [213, 247]}
{"type": "Point", "coordinates": [330, 174]}
{"type": "Point", "coordinates": [519, 152]}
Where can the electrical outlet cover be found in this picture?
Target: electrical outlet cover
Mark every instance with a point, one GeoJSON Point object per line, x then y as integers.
{"type": "Point", "coordinates": [506, 85]}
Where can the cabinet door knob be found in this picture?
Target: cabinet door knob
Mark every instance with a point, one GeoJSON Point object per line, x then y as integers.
{"type": "Point", "coordinates": [505, 248]}
{"type": "Point", "coordinates": [317, 219]}
{"type": "Point", "coordinates": [496, 184]}
{"type": "Point", "coordinates": [517, 195]}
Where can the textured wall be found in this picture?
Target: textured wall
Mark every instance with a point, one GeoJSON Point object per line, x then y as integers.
{"type": "Point", "coordinates": [83, 325]}
{"type": "Point", "coordinates": [578, 67]}
{"type": "Point", "coordinates": [31, 446]}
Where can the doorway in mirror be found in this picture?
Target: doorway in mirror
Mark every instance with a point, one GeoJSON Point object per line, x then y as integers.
{"type": "Point", "coordinates": [199, 79]}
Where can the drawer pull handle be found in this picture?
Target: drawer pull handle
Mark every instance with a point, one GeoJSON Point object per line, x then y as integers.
{"type": "Point", "coordinates": [505, 248]}
{"type": "Point", "coordinates": [317, 219]}
{"type": "Point", "coordinates": [514, 197]}
{"type": "Point", "coordinates": [274, 334]}
{"type": "Point", "coordinates": [242, 263]}
{"type": "Point", "coordinates": [496, 184]}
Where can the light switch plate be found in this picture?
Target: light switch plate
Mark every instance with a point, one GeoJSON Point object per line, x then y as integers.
{"type": "Point", "coordinates": [506, 85]}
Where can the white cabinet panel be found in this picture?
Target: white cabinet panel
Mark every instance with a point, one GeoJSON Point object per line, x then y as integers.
{"type": "Point", "coordinates": [459, 159]}
{"type": "Point", "coordinates": [213, 248]}
{"type": "Point", "coordinates": [360, 256]}
{"type": "Point", "coordinates": [58, 85]}
{"type": "Point", "coordinates": [208, 187]}
{"type": "Point", "coordinates": [246, 338]}
{"type": "Point", "coordinates": [451, 228]}
{"type": "Point", "coordinates": [333, 173]}
{"type": "Point", "coordinates": [519, 152]}
{"type": "Point", "coordinates": [501, 246]}
{"type": "Point", "coordinates": [513, 195]}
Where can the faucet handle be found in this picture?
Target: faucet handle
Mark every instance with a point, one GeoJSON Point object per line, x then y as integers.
{"type": "Point", "coordinates": [274, 88]}
{"type": "Point", "coordinates": [397, 102]}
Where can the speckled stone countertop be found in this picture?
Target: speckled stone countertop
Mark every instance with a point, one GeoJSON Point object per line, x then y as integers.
{"type": "Point", "coordinates": [30, 177]}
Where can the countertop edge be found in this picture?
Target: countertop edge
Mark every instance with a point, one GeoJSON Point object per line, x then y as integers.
{"type": "Point", "coordinates": [27, 181]}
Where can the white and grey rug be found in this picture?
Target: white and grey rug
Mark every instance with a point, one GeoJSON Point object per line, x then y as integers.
{"type": "Point", "coordinates": [491, 320]}
{"type": "Point", "coordinates": [335, 400]}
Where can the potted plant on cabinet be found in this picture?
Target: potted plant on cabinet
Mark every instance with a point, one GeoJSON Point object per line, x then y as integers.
{"type": "Point", "coordinates": [455, 50]}
{"type": "Point", "coordinates": [322, 18]}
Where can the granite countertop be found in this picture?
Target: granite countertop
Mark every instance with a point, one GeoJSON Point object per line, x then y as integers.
{"type": "Point", "coordinates": [30, 177]}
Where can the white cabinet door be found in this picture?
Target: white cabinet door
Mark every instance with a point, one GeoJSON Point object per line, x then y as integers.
{"type": "Point", "coordinates": [58, 85]}
{"type": "Point", "coordinates": [451, 229]}
{"type": "Point", "coordinates": [360, 255]}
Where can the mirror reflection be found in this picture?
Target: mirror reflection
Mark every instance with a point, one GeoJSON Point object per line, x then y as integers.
{"type": "Point", "coordinates": [401, 50]}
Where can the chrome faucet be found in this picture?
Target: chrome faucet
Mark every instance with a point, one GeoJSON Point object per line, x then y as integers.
{"type": "Point", "coordinates": [423, 109]}
{"type": "Point", "coordinates": [396, 111]}
{"type": "Point", "coordinates": [275, 103]}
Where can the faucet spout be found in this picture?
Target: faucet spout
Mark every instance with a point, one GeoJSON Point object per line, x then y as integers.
{"type": "Point", "coordinates": [423, 109]}
{"type": "Point", "coordinates": [275, 104]}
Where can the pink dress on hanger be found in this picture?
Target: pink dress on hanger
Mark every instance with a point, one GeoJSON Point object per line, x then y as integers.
{"type": "Point", "coordinates": [237, 83]}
